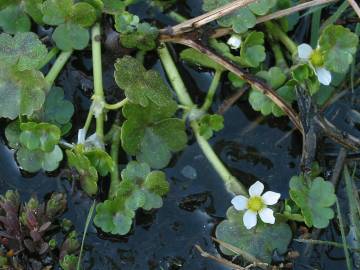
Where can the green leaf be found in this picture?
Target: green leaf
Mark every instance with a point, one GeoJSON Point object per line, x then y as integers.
{"type": "Point", "coordinates": [13, 19]}
{"type": "Point", "coordinates": [12, 134]}
{"type": "Point", "coordinates": [56, 12]}
{"type": "Point", "coordinates": [315, 198]}
{"type": "Point", "coordinates": [33, 161]}
{"type": "Point", "coordinates": [56, 109]}
{"type": "Point", "coordinates": [210, 123]}
{"type": "Point", "coordinates": [71, 36]}
{"type": "Point", "coordinates": [262, 7]}
{"type": "Point", "coordinates": [34, 9]}
{"type": "Point", "coordinates": [235, 80]}
{"type": "Point", "coordinates": [276, 79]}
{"type": "Point", "coordinates": [39, 136]}
{"type": "Point", "coordinates": [140, 85]}
{"type": "Point", "coordinates": [5, 3]}
{"type": "Point", "coordinates": [88, 174]}
{"type": "Point", "coordinates": [24, 50]}
{"type": "Point", "coordinates": [69, 262]}
{"type": "Point", "coordinates": [252, 51]}
{"type": "Point", "coordinates": [240, 20]}
{"type": "Point", "coordinates": [152, 134]}
{"type": "Point", "coordinates": [83, 14]}
{"type": "Point", "coordinates": [338, 45]}
{"type": "Point", "coordinates": [126, 22]}
{"type": "Point", "coordinates": [260, 241]}
{"type": "Point", "coordinates": [114, 6]}
{"type": "Point", "coordinates": [143, 38]}
{"type": "Point", "coordinates": [196, 58]}
{"type": "Point", "coordinates": [113, 217]}
{"type": "Point", "coordinates": [23, 91]}
{"type": "Point", "coordinates": [156, 182]}
{"type": "Point", "coordinates": [100, 160]}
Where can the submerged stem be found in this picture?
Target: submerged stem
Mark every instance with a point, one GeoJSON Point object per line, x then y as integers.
{"type": "Point", "coordinates": [57, 67]}
{"type": "Point", "coordinates": [212, 89]}
{"type": "Point", "coordinates": [97, 74]}
{"type": "Point", "coordinates": [232, 184]}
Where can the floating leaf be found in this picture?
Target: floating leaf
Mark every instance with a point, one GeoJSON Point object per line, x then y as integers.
{"type": "Point", "coordinates": [24, 50]}
{"type": "Point", "coordinates": [33, 161]}
{"type": "Point", "coordinates": [13, 19]}
{"type": "Point", "coordinates": [210, 123]}
{"type": "Point", "coordinates": [151, 134]}
{"type": "Point", "coordinates": [23, 91]}
{"type": "Point", "coordinates": [115, 6]}
{"type": "Point", "coordinates": [262, 7]}
{"type": "Point", "coordinates": [261, 241]}
{"type": "Point", "coordinates": [71, 36]}
{"type": "Point", "coordinates": [39, 136]}
{"type": "Point", "coordinates": [83, 14]}
{"type": "Point", "coordinates": [56, 11]}
{"type": "Point", "coordinates": [140, 85]}
{"type": "Point", "coordinates": [100, 160]}
{"type": "Point", "coordinates": [338, 44]}
{"type": "Point", "coordinates": [315, 198]}
{"type": "Point", "coordinates": [194, 57]}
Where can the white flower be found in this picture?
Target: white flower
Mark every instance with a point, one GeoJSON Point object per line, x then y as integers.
{"type": "Point", "coordinates": [234, 42]}
{"type": "Point", "coordinates": [256, 204]}
{"type": "Point", "coordinates": [316, 61]}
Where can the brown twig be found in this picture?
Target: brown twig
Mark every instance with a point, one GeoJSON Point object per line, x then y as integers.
{"type": "Point", "coordinates": [204, 19]}
{"type": "Point", "coordinates": [355, 7]}
{"type": "Point", "coordinates": [218, 259]}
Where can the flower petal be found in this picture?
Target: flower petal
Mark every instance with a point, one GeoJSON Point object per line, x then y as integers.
{"type": "Point", "coordinates": [323, 75]}
{"type": "Point", "coordinates": [234, 42]}
{"type": "Point", "coordinates": [304, 51]}
{"type": "Point", "coordinates": [256, 189]}
{"type": "Point", "coordinates": [270, 197]}
{"type": "Point", "coordinates": [249, 219]}
{"type": "Point", "coordinates": [239, 202]}
{"type": "Point", "coordinates": [267, 215]}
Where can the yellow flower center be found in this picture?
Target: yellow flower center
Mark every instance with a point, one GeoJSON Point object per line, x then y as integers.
{"type": "Point", "coordinates": [255, 203]}
{"type": "Point", "coordinates": [317, 59]}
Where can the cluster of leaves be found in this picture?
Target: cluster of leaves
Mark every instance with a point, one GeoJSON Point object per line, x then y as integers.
{"type": "Point", "coordinates": [140, 188]}
{"type": "Point", "coordinates": [210, 123]}
{"type": "Point", "coordinates": [150, 132]}
{"type": "Point", "coordinates": [277, 80]}
{"type": "Point", "coordinates": [89, 163]}
{"type": "Point", "coordinates": [27, 229]}
{"type": "Point", "coordinates": [243, 18]}
{"type": "Point", "coordinates": [134, 34]}
{"type": "Point", "coordinates": [259, 242]}
{"type": "Point", "coordinates": [314, 197]}
{"type": "Point", "coordinates": [337, 46]}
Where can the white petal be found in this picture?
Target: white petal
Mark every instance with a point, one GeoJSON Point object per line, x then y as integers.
{"type": "Point", "coordinates": [239, 202]}
{"type": "Point", "coordinates": [249, 219]}
{"type": "Point", "coordinates": [234, 42]}
{"type": "Point", "coordinates": [304, 51]}
{"type": "Point", "coordinates": [270, 197]}
{"type": "Point", "coordinates": [267, 215]}
{"type": "Point", "coordinates": [324, 76]}
{"type": "Point", "coordinates": [81, 136]}
{"type": "Point", "coordinates": [256, 189]}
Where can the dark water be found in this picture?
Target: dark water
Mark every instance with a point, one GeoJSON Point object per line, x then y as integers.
{"type": "Point", "coordinates": [165, 239]}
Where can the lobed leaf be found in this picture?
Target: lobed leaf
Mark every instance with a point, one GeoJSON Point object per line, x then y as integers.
{"type": "Point", "coordinates": [210, 123]}
{"type": "Point", "coordinates": [13, 19]}
{"type": "Point", "coordinates": [70, 36]}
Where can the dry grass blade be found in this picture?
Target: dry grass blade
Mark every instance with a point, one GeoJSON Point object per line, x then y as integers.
{"type": "Point", "coordinates": [218, 259]}
{"type": "Point", "coordinates": [355, 6]}
{"type": "Point", "coordinates": [201, 20]}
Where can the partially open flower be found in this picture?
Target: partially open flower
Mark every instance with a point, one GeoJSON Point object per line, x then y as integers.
{"type": "Point", "coordinates": [234, 42]}
{"type": "Point", "coordinates": [256, 204]}
{"type": "Point", "coordinates": [316, 61]}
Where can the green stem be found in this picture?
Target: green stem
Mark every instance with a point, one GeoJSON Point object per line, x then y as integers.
{"type": "Point", "coordinates": [231, 183]}
{"type": "Point", "coordinates": [57, 67]}
{"type": "Point", "coordinates": [315, 27]}
{"type": "Point", "coordinates": [117, 105]}
{"type": "Point", "coordinates": [51, 54]}
{"type": "Point", "coordinates": [280, 35]}
{"type": "Point", "coordinates": [176, 17]}
{"type": "Point", "coordinates": [212, 89]}
{"type": "Point", "coordinates": [88, 121]}
{"type": "Point", "coordinates": [97, 74]}
{"type": "Point", "coordinates": [337, 14]}
{"type": "Point", "coordinates": [279, 56]}
{"type": "Point", "coordinates": [140, 55]}
{"type": "Point", "coordinates": [115, 146]}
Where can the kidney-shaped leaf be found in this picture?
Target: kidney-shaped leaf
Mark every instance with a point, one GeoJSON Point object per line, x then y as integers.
{"type": "Point", "coordinates": [260, 241]}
